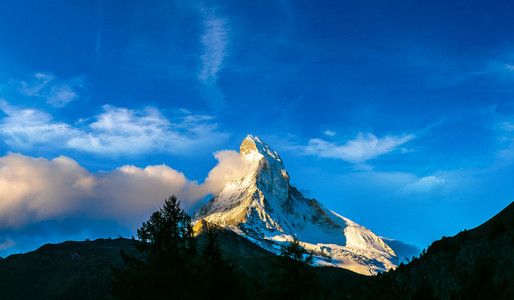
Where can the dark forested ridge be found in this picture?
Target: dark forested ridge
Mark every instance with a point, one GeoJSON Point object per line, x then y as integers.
{"type": "Point", "coordinates": [475, 264]}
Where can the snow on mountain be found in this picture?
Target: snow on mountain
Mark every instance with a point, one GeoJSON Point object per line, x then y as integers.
{"type": "Point", "coordinates": [263, 207]}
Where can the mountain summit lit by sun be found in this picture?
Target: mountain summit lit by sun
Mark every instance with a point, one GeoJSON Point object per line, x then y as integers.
{"type": "Point", "coordinates": [263, 207]}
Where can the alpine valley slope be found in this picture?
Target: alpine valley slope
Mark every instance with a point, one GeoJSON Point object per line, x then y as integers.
{"type": "Point", "coordinates": [263, 207]}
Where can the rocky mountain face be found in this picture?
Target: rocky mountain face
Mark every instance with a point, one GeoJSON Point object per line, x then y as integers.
{"type": "Point", "coordinates": [263, 207]}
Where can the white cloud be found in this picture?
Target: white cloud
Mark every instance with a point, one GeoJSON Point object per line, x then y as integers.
{"type": "Point", "coordinates": [27, 127]}
{"type": "Point", "coordinates": [115, 131]}
{"type": "Point", "coordinates": [363, 148]}
{"type": "Point", "coordinates": [130, 193]}
{"type": "Point", "coordinates": [36, 189]}
{"type": "Point", "coordinates": [231, 166]}
{"type": "Point", "coordinates": [329, 132]}
{"type": "Point", "coordinates": [57, 93]}
{"type": "Point", "coordinates": [422, 186]}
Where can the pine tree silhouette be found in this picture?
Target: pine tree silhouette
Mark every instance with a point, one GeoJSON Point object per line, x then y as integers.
{"type": "Point", "coordinates": [166, 262]}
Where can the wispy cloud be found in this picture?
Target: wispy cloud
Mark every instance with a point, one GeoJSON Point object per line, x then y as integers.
{"type": "Point", "coordinates": [364, 147]}
{"type": "Point", "coordinates": [500, 69]}
{"type": "Point", "coordinates": [504, 127]}
{"type": "Point", "coordinates": [61, 95]}
{"type": "Point", "coordinates": [57, 92]}
{"type": "Point", "coordinates": [422, 186]}
{"type": "Point", "coordinates": [329, 132]}
{"type": "Point", "coordinates": [115, 131]}
{"type": "Point", "coordinates": [23, 128]}
{"type": "Point", "coordinates": [214, 40]}
{"type": "Point", "coordinates": [40, 81]}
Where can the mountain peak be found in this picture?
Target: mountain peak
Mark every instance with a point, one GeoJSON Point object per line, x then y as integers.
{"type": "Point", "coordinates": [249, 144]}
{"type": "Point", "coordinates": [254, 149]}
{"type": "Point", "coordinates": [266, 209]}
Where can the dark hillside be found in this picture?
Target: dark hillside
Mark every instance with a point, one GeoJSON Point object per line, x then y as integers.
{"type": "Point", "coordinates": [474, 264]}
{"type": "Point", "coordinates": [80, 270]}
{"type": "Point", "coordinates": [70, 270]}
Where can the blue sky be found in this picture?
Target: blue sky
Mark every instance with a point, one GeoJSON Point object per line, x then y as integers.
{"type": "Point", "coordinates": [396, 114]}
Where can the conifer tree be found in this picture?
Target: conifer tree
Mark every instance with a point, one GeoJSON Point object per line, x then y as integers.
{"type": "Point", "coordinates": [219, 276]}
{"type": "Point", "coordinates": [166, 262]}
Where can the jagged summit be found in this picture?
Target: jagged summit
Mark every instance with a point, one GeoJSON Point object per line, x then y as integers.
{"type": "Point", "coordinates": [263, 207]}
{"type": "Point", "coordinates": [252, 146]}
{"type": "Point", "coordinates": [249, 145]}
{"type": "Point", "coordinates": [265, 160]}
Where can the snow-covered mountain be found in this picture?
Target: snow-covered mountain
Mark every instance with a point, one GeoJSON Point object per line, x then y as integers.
{"type": "Point", "coordinates": [263, 207]}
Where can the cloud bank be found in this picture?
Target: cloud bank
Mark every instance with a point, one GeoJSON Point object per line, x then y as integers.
{"type": "Point", "coordinates": [358, 150]}
{"type": "Point", "coordinates": [36, 189]}
{"type": "Point", "coordinates": [115, 131]}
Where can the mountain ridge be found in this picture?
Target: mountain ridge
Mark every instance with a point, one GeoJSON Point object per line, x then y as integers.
{"type": "Point", "coordinates": [474, 264]}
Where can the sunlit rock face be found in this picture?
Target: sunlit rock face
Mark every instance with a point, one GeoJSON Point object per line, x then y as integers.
{"type": "Point", "coordinates": [263, 207]}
